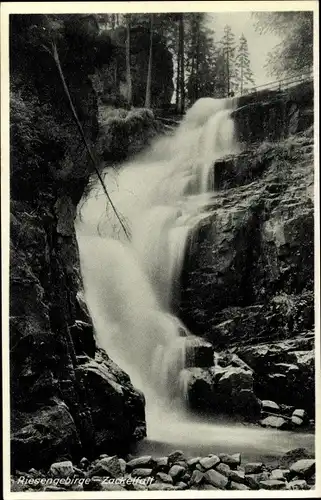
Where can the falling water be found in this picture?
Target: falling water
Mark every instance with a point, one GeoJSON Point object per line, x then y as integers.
{"type": "Point", "coordinates": [130, 284]}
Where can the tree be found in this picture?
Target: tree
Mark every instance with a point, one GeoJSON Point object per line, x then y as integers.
{"type": "Point", "coordinates": [181, 79]}
{"type": "Point", "coordinates": [128, 72]}
{"type": "Point", "coordinates": [228, 50]}
{"type": "Point", "coordinates": [149, 71]}
{"type": "Point", "coordinates": [244, 75]}
{"type": "Point", "coordinates": [294, 54]}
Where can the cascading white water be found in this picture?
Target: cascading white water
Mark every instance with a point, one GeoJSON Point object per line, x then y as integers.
{"type": "Point", "coordinates": [129, 285]}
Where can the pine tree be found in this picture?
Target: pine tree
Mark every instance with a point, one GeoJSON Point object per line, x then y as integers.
{"type": "Point", "coordinates": [244, 74]}
{"type": "Point", "coordinates": [228, 52]}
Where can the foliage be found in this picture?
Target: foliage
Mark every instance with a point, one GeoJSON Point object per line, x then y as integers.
{"type": "Point", "coordinates": [244, 75]}
{"type": "Point", "coordinates": [294, 54]}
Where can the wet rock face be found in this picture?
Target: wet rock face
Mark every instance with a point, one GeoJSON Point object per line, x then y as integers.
{"type": "Point", "coordinates": [58, 378]}
{"type": "Point", "coordinates": [274, 115]}
{"type": "Point", "coordinates": [248, 278]}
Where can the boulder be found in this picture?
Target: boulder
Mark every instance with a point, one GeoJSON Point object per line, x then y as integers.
{"type": "Point", "coordinates": [175, 457]}
{"type": "Point", "coordinates": [145, 461]}
{"type": "Point", "coordinates": [43, 434]}
{"type": "Point", "coordinates": [237, 476]}
{"type": "Point", "coordinates": [301, 414]}
{"type": "Point", "coordinates": [159, 486]}
{"type": "Point", "coordinates": [209, 462]}
{"type": "Point", "coordinates": [233, 461]}
{"type": "Point", "coordinates": [296, 421]}
{"type": "Point", "coordinates": [275, 422]}
{"type": "Point", "coordinates": [272, 484]}
{"type": "Point", "coordinates": [270, 406]}
{"type": "Point", "coordinates": [191, 463]}
{"type": "Point", "coordinates": [280, 474]}
{"type": "Point", "coordinates": [293, 456]}
{"type": "Point", "coordinates": [223, 469]}
{"type": "Point", "coordinates": [176, 472]}
{"type": "Point", "coordinates": [141, 472]}
{"type": "Point", "coordinates": [164, 478]}
{"type": "Point", "coordinates": [62, 469]}
{"type": "Point", "coordinates": [304, 467]}
{"type": "Point", "coordinates": [253, 468]}
{"type": "Point", "coordinates": [197, 478]}
{"type": "Point", "coordinates": [215, 479]}
{"type": "Point", "coordinates": [108, 466]}
{"type": "Point", "coordinates": [199, 353]}
{"type": "Point", "coordinates": [117, 408]}
{"type": "Point", "coordinates": [253, 480]}
{"type": "Point", "coordinates": [238, 486]}
{"type": "Point", "coordinates": [198, 385]}
{"type": "Point", "coordinates": [298, 484]}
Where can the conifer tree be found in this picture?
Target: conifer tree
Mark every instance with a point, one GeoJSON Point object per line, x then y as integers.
{"type": "Point", "coordinates": [228, 51]}
{"type": "Point", "coordinates": [243, 73]}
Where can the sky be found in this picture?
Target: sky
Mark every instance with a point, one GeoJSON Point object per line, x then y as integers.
{"type": "Point", "coordinates": [259, 45]}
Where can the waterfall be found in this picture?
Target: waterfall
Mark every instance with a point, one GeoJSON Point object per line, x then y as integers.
{"type": "Point", "coordinates": [161, 195]}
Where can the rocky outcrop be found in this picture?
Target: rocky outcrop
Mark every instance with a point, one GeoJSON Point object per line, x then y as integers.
{"type": "Point", "coordinates": [67, 397]}
{"type": "Point", "coordinates": [248, 279]}
{"type": "Point", "coordinates": [274, 115]}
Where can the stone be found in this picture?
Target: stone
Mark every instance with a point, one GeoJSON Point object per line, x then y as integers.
{"type": "Point", "coordinates": [296, 421]}
{"type": "Point", "coordinates": [200, 467]}
{"type": "Point", "coordinates": [304, 467]}
{"type": "Point", "coordinates": [161, 464]}
{"type": "Point", "coordinates": [158, 486]}
{"type": "Point", "coordinates": [165, 478]}
{"type": "Point", "coordinates": [253, 480]}
{"type": "Point", "coordinates": [299, 413]}
{"type": "Point", "coordinates": [108, 466]}
{"type": "Point", "coordinates": [215, 479]}
{"type": "Point", "coordinates": [272, 484]}
{"type": "Point", "coordinates": [253, 468]}
{"type": "Point", "coordinates": [122, 465]}
{"type": "Point", "coordinates": [62, 469]}
{"type": "Point", "coordinates": [145, 461]}
{"type": "Point", "coordinates": [176, 472]}
{"type": "Point", "coordinates": [53, 425]}
{"type": "Point", "coordinates": [280, 474]}
{"type": "Point", "coordinates": [142, 472]}
{"type": "Point", "coordinates": [231, 460]}
{"type": "Point", "coordinates": [275, 422]}
{"type": "Point", "coordinates": [175, 456]}
{"type": "Point", "coordinates": [191, 463]}
{"type": "Point", "coordinates": [199, 353]}
{"type": "Point", "coordinates": [236, 476]}
{"type": "Point", "coordinates": [196, 478]}
{"type": "Point", "coordinates": [238, 486]}
{"type": "Point", "coordinates": [198, 385]}
{"type": "Point", "coordinates": [105, 486]}
{"type": "Point", "coordinates": [223, 469]}
{"type": "Point", "coordinates": [270, 406]}
{"type": "Point", "coordinates": [299, 484]}
{"type": "Point", "coordinates": [209, 462]}
{"type": "Point", "coordinates": [181, 485]}
{"type": "Point", "coordinates": [294, 455]}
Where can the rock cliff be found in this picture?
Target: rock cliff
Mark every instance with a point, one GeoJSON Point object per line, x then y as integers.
{"type": "Point", "coordinates": [248, 277]}
{"type": "Point", "coordinates": [67, 397]}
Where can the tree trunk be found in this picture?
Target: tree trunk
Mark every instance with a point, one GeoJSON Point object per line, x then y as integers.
{"type": "Point", "coordinates": [178, 72]}
{"type": "Point", "coordinates": [128, 73]}
{"type": "Point", "coordinates": [149, 72]}
{"type": "Point", "coordinates": [181, 105]}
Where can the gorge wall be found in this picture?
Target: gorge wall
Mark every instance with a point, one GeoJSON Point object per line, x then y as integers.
{"type": "Point", "coordinates": [248, 278]}
{"type": "Point", "coordinates": [67, 397]}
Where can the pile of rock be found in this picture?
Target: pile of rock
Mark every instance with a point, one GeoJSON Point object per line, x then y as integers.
{"type": "Point", "coordinates": [283, 416]}
{"type": "Point", "coordinates": [295, 471]}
